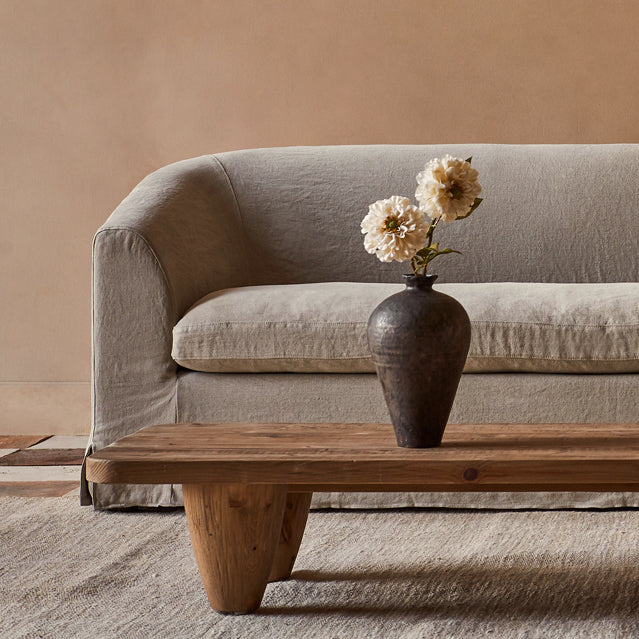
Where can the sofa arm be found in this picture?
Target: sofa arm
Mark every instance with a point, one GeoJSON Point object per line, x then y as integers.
{"type": "Point", "coordinates": [175, 238]}
{"type": "Point", "coordinates": [187, 215]}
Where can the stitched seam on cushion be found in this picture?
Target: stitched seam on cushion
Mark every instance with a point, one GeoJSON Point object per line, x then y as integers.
{"type": "Point", "coordinates": [261, 357]}
{"type": "Point", "coordinates": [232, 323]}
{"type": "Point", "coordinates": [558, 359]}
{"type": "Point", "coordinates": [483, 322]}
{"type": "Point", "coordinates": [217, 160]}
{"type": "Point", "coordinates": [489, 322]}
{"type": "Point", "coordinates": [328, 359]}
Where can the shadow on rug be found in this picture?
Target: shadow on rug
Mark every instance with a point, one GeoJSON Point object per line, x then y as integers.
{"type": "Point", "coordinates": [71, 572]}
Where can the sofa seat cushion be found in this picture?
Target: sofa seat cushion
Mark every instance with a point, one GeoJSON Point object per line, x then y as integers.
{"type": "Point", "coordinates": [516, 327]}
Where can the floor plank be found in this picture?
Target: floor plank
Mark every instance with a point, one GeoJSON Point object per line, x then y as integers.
{"type": "Point", "coordinates": [64, 441]}
{"type": "Point", "coordinates": [37, 488]}
{"type": "Point", "coordinates": [39, 473]}
{"type": "Point", "coordinates": [21, 441]}
{"type": "Point", "coordinates": [44, 457]}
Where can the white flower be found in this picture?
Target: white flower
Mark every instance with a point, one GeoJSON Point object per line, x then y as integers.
{"type": "Point", "coordinates": [394, 229]}
{"type": "Point", "coordinates": [447, 188]}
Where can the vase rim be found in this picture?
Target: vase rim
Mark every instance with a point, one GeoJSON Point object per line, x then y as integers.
{"type": "Point", "coordinates": [422, 279]}
{"type": "Point", "coordinates": [428, 275]}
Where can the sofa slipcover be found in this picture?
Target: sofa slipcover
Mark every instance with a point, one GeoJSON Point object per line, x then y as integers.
{"type": "Point", "coordinates": [552, 214]}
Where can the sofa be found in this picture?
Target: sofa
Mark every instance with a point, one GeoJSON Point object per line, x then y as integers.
{"type": "Point", "coordinates": [235, 287]}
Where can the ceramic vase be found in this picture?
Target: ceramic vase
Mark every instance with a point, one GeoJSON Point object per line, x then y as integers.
{"type": "Point", "coordinates": [419, 340]}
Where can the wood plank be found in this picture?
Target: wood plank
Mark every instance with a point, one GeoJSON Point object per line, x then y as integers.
{"type": "Point", "coordinates": [21, 441]}
{"type": "Point", "coordinates": [576, 451]}
{"type": "Point", "coordinates": [374, 441]}
{"type": "Point", "coordinates": [375, 472]}
{"type": "Point", "coordinates": [64, 441]}
{"type": "Point", "coordinates": [39, 473]}
{"type": "Point", "coordinates": [489, 456]}
{"type": "Point", "coordinates": [346, 436]}
{"type": "Point", "coordinates": [37, 488]}
{"type": "Point", "coordinates": [44, 457]}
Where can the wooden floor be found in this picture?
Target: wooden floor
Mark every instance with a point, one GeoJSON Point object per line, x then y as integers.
{"type": "Point", "coordinates": [40, 465]}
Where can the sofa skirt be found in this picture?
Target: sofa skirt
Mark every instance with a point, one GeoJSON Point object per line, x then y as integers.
{"type": "Point", "coordinates": [481, 398]}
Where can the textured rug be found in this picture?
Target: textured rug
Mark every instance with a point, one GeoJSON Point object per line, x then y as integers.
{"type": "Point", "coordinates": [67, 571]}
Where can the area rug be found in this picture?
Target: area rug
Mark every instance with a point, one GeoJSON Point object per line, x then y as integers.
{"type": "Point", "coordinates": [67, 571]}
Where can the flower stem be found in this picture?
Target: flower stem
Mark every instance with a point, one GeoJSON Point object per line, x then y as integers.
{"type": "Point", "coordinates": [431, 230]}
{"type": "Point", "coordinates": [429, 239]}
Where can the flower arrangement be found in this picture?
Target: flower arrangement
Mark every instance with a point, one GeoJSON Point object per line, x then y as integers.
{"type": "Point", "coordinates": [396, 229]}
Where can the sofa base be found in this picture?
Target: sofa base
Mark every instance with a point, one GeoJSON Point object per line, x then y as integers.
{"type": "Point", "coordinates": [109, 497]}
{"type": "Point", "coordinates": [481, 398]}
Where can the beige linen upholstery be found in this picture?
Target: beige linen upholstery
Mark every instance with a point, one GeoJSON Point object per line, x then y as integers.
{"type": "Point", "coordinates": [551, 214]}
{"type": "Point", "coordinates": [299, 328]}
{"type": "Point", "coordinates": [481, 397]}
{"type": "Point", "coordinates": [321, 328]}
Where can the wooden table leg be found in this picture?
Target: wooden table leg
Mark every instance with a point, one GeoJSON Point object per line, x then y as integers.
{"type": "Point", "coordinates": [234, 530]}
{"type": "Point", "coordinates": [293, 524]}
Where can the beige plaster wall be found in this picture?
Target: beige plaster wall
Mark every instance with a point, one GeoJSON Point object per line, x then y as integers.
{"type": "Point", "coordinates": [96, 94]}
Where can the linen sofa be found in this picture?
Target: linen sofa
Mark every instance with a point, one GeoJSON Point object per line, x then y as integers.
{"type": "Point", "coordinates": [235, 287]}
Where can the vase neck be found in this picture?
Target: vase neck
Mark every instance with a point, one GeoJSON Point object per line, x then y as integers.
{"type": "Point", "coordinates": [420, 282]}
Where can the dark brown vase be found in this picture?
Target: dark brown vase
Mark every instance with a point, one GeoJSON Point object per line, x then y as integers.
{"type": "Point", "coordinates": [419, 340]}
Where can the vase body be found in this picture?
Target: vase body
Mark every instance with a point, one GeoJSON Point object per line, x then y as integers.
{"type": "Point", "coordinates": [419, 341]}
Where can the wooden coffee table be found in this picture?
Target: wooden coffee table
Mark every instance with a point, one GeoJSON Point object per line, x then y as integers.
{"type": "Point", "coordinates": [247, 487]}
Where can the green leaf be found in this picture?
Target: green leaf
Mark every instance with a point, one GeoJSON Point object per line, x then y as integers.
{"type": "Point", "coordinates": [425, 252]}
{"type": "Point", "coordinates": [448, 250]}
{"type": "Point", "coordinates": [470, 159]}
{"type": "Point", "coordinates": [475, 204]}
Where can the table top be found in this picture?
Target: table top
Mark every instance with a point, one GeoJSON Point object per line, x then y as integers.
{"type": "Point", "coordinates": [337, 457]}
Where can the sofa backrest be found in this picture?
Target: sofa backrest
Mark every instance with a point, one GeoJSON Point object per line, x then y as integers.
{"type": "Point", "coordinates": [551, 213]}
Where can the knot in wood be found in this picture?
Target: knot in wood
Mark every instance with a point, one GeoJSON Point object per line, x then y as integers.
{"type": "Point", "coordinates": [470, 474]}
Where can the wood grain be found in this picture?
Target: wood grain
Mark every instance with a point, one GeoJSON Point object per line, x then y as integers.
{"type": "Point", "coordinates": [234, 532]}
{"type": "Point", "coordinates": [44, 457]}
{"type": "Point", "coordinates": [21, 441]}
{"type": "Point", "coordinates": [37, 488]}
{"type": "Point", "coordinates": [336, 456]}
{"type": "Point", "coordinates": [293, 524]}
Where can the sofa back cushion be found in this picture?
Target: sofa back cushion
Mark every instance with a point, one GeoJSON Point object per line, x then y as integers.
{"type": "Point", "coordinates": [551, 213]}
{"type": "Point", "coordinates": [321, 328]}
